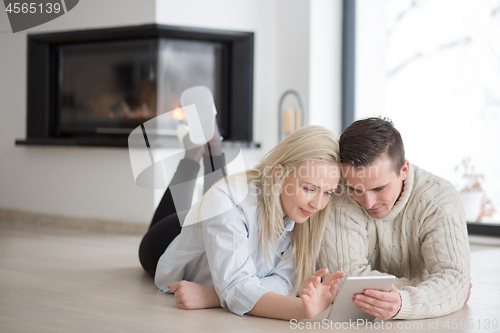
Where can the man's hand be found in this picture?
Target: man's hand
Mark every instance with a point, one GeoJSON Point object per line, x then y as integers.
{"type": "Point", "coordinates": [191, 295]}
{"type": "Point", "coordinates": [381, 304]}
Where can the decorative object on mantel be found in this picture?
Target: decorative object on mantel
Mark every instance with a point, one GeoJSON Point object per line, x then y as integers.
{"type": "Point", "coordinates": [474, 199]}
{"type": "Point", "coordinates": [290, 119]}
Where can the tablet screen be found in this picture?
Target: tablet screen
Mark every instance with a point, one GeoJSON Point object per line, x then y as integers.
{"type": "Point", "coordinates": [344, 309]}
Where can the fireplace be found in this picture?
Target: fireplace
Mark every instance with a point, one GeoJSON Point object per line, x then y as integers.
{"type": "Point", "coordinates": [93, 87]}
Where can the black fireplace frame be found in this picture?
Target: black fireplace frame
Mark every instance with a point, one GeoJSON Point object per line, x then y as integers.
{"type": "Point", "coordinates": [42, 63]}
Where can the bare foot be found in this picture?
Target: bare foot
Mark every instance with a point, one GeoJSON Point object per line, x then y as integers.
{"type": "Point", "coordinates": [191, 295]}
{"type": "Point", "coordinates": [317, 295]}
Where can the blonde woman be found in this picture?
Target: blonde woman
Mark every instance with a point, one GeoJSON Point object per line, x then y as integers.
{"type": "Point", "coordinates": [250, 256]}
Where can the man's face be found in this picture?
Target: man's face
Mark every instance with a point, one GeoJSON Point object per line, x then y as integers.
{"type": "Point", "coordinates": [377, 186]}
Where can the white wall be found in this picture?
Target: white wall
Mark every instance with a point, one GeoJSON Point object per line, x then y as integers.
{"type": "Point", "coordinates": [325, 64]}
{"type": "Point", "coordinates": [309, 39]}
{"type": "Point", "coordinates": [371, 42]}
{"type": "Point", "coordinates": [97, 182]}
{"type": "Point", "coordinates": [80, 182]}
{"type": "Point", "coordinates": [258, 16]}
{"type": "Point", "coordinates": [292, 58]}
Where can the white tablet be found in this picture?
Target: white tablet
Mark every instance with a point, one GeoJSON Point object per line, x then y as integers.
{"type": "Point", "coordinates": [344, 309]}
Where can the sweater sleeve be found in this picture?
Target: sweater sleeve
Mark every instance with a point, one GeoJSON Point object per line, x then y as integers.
{"type": "Point", "coordinates": [440, 290]}
{"type": "Point", "coordinates": [446, 255]}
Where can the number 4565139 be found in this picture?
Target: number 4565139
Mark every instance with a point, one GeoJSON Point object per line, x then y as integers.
{"type": "Point", "coordinates": [25, 8]}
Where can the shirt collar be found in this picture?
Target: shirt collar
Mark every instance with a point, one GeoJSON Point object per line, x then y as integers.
{"type": "Point", "coordinates": [288, 223]}
{"type": "Point", "coordinates": [405, 195]}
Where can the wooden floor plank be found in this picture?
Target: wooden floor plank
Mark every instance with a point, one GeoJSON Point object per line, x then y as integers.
{"type": "Point", "coordinates": [68, 284]}
{"type": "Point", "coordinates": [10, 325]}
{"type": "Point", "coordinates": [68, 320]}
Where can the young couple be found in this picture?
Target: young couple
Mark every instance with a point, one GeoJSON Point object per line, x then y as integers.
{"type": "Point", "coordinates": [253, 256]}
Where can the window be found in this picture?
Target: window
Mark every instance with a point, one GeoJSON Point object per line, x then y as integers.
{"type": "Point", "coordinates": [433, 67]}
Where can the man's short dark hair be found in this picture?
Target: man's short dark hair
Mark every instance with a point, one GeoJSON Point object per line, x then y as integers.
{"type": "Point", "coordinates": [367, 139]}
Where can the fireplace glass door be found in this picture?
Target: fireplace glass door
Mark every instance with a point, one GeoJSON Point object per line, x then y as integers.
{"type": "Point", "coordinates": [110, 88]}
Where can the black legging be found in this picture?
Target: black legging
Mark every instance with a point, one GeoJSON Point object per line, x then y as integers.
{"type": "Point", "coordinates": [167, 221]}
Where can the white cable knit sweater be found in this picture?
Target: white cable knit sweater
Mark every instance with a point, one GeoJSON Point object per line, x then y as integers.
{"type": "Point", "coordinates": [422, 241]}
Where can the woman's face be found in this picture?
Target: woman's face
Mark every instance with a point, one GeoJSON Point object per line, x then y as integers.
{"type": "Point", "coordinates": [307, 189]}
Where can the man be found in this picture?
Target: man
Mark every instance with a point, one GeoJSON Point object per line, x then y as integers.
{"type": "Point", "coordinates": [393, 217]}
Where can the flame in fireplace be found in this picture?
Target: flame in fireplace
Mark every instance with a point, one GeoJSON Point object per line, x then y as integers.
{"type": "Point", "coordinates": [178, 114]}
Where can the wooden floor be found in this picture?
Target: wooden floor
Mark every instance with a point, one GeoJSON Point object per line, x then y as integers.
{"type": "Point", "coordinates": [83, 283]}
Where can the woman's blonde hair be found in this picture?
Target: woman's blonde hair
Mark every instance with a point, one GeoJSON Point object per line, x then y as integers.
{"type": "Point", "coordinates": [310, 143]}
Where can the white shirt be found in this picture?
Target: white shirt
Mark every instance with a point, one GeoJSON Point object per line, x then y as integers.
{"type": "Point", "coordinates": [226, 251]}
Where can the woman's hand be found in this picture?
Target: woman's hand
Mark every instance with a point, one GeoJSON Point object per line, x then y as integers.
{"type": "Point", "coordinates": [317, 295]}
{"type": "Point", "coordinates": [191, 295]}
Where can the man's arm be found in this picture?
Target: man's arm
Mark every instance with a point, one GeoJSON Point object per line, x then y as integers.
{"type": "Point", "coordinates": [446, 256]}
